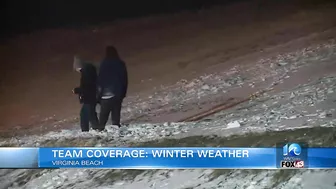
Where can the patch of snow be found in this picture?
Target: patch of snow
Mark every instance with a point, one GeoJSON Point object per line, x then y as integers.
{"type": "Point", "coordinates": [234, 124]}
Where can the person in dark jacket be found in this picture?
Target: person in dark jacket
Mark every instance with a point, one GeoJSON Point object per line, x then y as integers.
{"type": "Point", "coordinates": [87, 92]}
{"type": "Point", "coordinates": [112, 86]}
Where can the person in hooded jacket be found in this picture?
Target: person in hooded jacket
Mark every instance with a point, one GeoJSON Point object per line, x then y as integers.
{"type": "Point", "coordinates": [87, 93]}
{"type": "Point", "coordinates": [112, 86]}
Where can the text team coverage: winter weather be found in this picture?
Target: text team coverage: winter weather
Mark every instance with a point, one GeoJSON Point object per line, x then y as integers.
{"type": "Point", "coordinates": [153, 153]}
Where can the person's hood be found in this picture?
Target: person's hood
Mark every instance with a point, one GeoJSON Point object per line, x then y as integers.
{"type": "Point", "coordinates": [77, 64]}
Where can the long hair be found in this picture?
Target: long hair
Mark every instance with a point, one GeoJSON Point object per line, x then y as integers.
{"type": "Point", "coordinates": [111, 52]}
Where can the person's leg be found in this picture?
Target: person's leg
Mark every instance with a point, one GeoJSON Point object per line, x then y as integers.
{"type": "Point", "coordinates": [116, 111]}
{"type": "Point", "coordinates": [93, 117]}
{"type": "Point", "coordinates": [84, 118]}
{"type": "Point", "coordinates": [105, 109]}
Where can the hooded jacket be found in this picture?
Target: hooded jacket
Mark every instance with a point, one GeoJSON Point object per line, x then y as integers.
{"type": "Point", "coordinates": [112, 77]}
{"type": "Point", "coordinates": [87, 89]}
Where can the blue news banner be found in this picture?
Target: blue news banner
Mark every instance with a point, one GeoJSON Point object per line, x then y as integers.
{"type": "Point", "coordinates": [290, 156]}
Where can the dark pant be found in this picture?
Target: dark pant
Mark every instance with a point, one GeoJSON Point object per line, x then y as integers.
{"type": "Point", "coordinates": [88, 115]}
{"type": "Point", "coordinates": [110, 106]}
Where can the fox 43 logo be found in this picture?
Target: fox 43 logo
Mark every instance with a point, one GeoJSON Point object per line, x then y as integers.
{"type": "Point", "coordinates": [292, 164]}
{"type": "Point", "coordinates": [291, 154]}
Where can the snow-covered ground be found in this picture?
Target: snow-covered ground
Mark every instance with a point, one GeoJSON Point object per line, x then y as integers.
{"type": "Point", "coordinates": [238, 82]}
{"type": "Point", "coordinates": [307, 105]}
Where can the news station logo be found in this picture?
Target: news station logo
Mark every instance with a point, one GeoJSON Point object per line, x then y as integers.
{"type": "Point", "coordinates": [292, 150]}
{"type": "Point", "coordinates": [291, 156]}
{"type": "Point", "coordinates": [292, 164]}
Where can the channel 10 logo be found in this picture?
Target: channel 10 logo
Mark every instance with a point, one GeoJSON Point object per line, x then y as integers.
{"type": "Point", "coordinates": [291, 150]}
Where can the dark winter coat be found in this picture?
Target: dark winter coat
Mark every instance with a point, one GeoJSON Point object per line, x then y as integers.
{"type": "Point", "coordinates": [113, 78]}
{"type": "Point", "coordinates": [87, 90]}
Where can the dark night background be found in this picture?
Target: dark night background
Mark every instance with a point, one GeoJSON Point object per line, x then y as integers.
{"type": "Point", "coordinates": [24, 16]}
